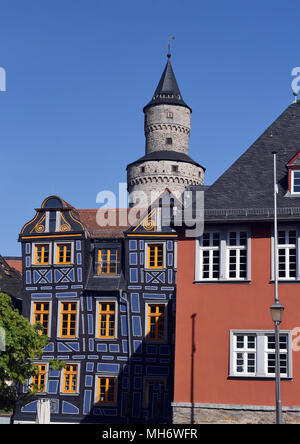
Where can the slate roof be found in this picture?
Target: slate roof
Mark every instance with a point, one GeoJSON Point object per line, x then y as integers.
{"type": "Point", "coordinates": [10, 282]}
{"type": "Point", "coordinates": [166, 155]}
{"type": "Point", "coordinates": [245, 190]}
{"type": "Point", "coordinates": [167, 91]}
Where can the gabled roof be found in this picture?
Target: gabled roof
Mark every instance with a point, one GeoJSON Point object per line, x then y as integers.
{"type": "Point", "coordinates": [14, 262]}
{"type": "Point", "coordinates": [167, 91]}
{"type": "Point", "coordinates": [10, 280]}
{"type": "Point", "coordinates": [245, 190]}
{"type": "Point", "coordinates": [117, 221]}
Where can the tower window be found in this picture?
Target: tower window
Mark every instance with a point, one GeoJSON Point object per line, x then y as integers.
{"type": "Point", "coordinates": [170, 115]}
{"type": "Point", "coordinates": [169, 141]}
{"type": "Point", "coordinates": [174, 168]}
{"type": "Point", "coordinates": [142, 169]}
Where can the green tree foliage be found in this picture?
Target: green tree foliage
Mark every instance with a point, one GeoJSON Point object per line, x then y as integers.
{"type": "Point", "coordinates": [23, 344]}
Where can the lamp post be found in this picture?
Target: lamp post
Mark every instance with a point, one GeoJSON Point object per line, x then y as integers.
{"type": "Point", "coordinates": [276, 309]}
{"type": "Point", "coordinates": [276, 313]}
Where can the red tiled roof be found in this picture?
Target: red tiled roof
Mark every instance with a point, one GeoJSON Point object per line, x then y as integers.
{"type": "Point", "coordinates": [15, 263]}
{"type": "Point", "coordinates": [109, 222]}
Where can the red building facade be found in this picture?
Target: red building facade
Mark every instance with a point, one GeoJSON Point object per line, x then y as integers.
{"type": "Point", "coordinates": [225, 343]}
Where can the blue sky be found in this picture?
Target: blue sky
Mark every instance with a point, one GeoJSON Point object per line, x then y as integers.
{"type": "Point", "coordinates": [78, 73]}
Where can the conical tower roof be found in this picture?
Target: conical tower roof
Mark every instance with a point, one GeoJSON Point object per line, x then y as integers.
{"type": "Point", "coordinates": [167, 91]}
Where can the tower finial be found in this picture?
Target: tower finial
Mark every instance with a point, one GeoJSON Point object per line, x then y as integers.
{"type": "Point", "coordinates": [169, 46]}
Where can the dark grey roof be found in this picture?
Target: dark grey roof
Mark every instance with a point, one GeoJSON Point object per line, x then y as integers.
{"type": "Point", "coordinates": [166, 155]}
{"type": "Point", "coordinates": [245, 190]}
{"type": "Point", "coordinates": [167, 91]}
{"type": "Point", "coordinates": [10, 282]}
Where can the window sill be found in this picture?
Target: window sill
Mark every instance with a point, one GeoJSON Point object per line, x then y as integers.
{"type": "Point", "coordinates": [286, 281]}
{"type": "Point", "coordinates": [223, 281]}
{"type": "Point", "coordinates": [264, 378]}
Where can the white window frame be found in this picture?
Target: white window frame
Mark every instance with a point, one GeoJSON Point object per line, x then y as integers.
{"type": "Point", "coordinates": [261, 353]}
{"type": "Point", "coordinates": [224, 249]}
{"type": "Point", "coordinates": [42, 301]}
{"type": "Point", "coordinates": [165, 339]}
{"type": "Point", "coordinates": [286, 247]}
{"type": "Point", "coordinates": [106, 300]}
{"type": "Point", "coordinates": [61, 383]}
{"type": "Point", "coordinates": [104, 404]}
{"type": "Point", "coordinates": [297, 193]}
{"type": "Point", "coordinates": [237, 248]}
{"type": "Point", "coordinates": [65, 301]}
{"type": "Point", "coordinates": [34, 244]}
{"type": "Point", "coordinates": [46, 377]}
{"type": "Point", "coordinates": [55, 253]}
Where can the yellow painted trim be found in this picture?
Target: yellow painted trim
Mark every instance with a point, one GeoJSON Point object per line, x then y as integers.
{"type": "Point", "coordinates": [152, 235]}
{"type": "Point", "coordinates": [76, 220]}
{"type": "Point", "coordinates": [28, 223]}
{"type": "Point", "coordinates": [106, 312]}
{"type": "Point", "coordinates": [68, 312]}
{"type": "Point", "coordinates": [51, 235]}
{"type": "Point", "coordinates": [107, 380]}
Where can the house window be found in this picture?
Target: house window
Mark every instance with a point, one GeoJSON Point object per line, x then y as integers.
{"type": "Point", "coordinates": [155, 256]}
{"type": "Point", "coordinates": [41, 254]}
{"type": "Point", "coordinates": [210, 256]}
{"type": "Point", "coordinates": [156, 322]}
{"type": "Point", "coordinates": [244, 354]}
{"type": "Point", "coordinates": [223, 255]}
{"type": "Point", "coordinates": [106, 390]}
{"type": "Point", "coordinates": [70, 378]}
{"type": "Point", "coordinates": [107, 320]}
{"type": "Point", "coordinates": [107, 263]}
{"type": "Point", "coordinates": [64, 254]}
{"type": "Point", "coordinates": [237, 254]}
{"type": "Point", "coordinates": [287, 254]}
{"type": "Point", "coordinates": [169, 141]}
{"type": "Point", "coordinates": [41, 315]}
{"type": "Point", "coordinates": [39, 379]}
{"type": "Point", "coordinates": [252, 353]}
{"type": "Point", "coordinates": [68, 319]}
{"type": "Point", "coordinates": [295, 188]}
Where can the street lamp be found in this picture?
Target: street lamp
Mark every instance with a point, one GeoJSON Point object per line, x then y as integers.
{"type": "Point", "coordinates": [276, 313]}
{"type": "Point", "coordinates": [276, 309]}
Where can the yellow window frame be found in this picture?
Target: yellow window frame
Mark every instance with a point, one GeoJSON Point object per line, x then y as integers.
{"type": "Point", "coordinates": [70, 378]}
{"type": "Point", "coordinates": [156, 323]}
{"type": "Point", "coordinates": [111, 266]}
{"type": "Point", "coordinates": [43, 253]}
{"type": "Point", "coordinates": [155, 256]}
{"type": "Point", "coordinates": [105, 321]}
{"type": "Point", "coordinates": [66, 320]}
{"type": "Point", "coordinates": [42, 312]}
{"type": "Point", "coordinates": [39, 380]}
{"type": "Point", "coordinates": [63, 248]}
{"type": "Point", "coordinates": [104, 393]}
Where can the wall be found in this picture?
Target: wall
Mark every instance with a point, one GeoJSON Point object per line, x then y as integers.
{"type": "Point", "coordinates": [202, 376]}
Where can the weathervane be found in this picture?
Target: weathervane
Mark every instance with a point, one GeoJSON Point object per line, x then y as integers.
{"type": "Point", "coordinates": [169, 45]}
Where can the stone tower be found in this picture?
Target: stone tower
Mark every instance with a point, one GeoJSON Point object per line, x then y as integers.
{"type": "Point", "coordinates": [166, 163]}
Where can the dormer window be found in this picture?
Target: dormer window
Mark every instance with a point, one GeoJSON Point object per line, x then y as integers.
{"type": "Point", "coordinates": [294, 175]}
{"type": "Point", "coordinates": [295, 185]}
